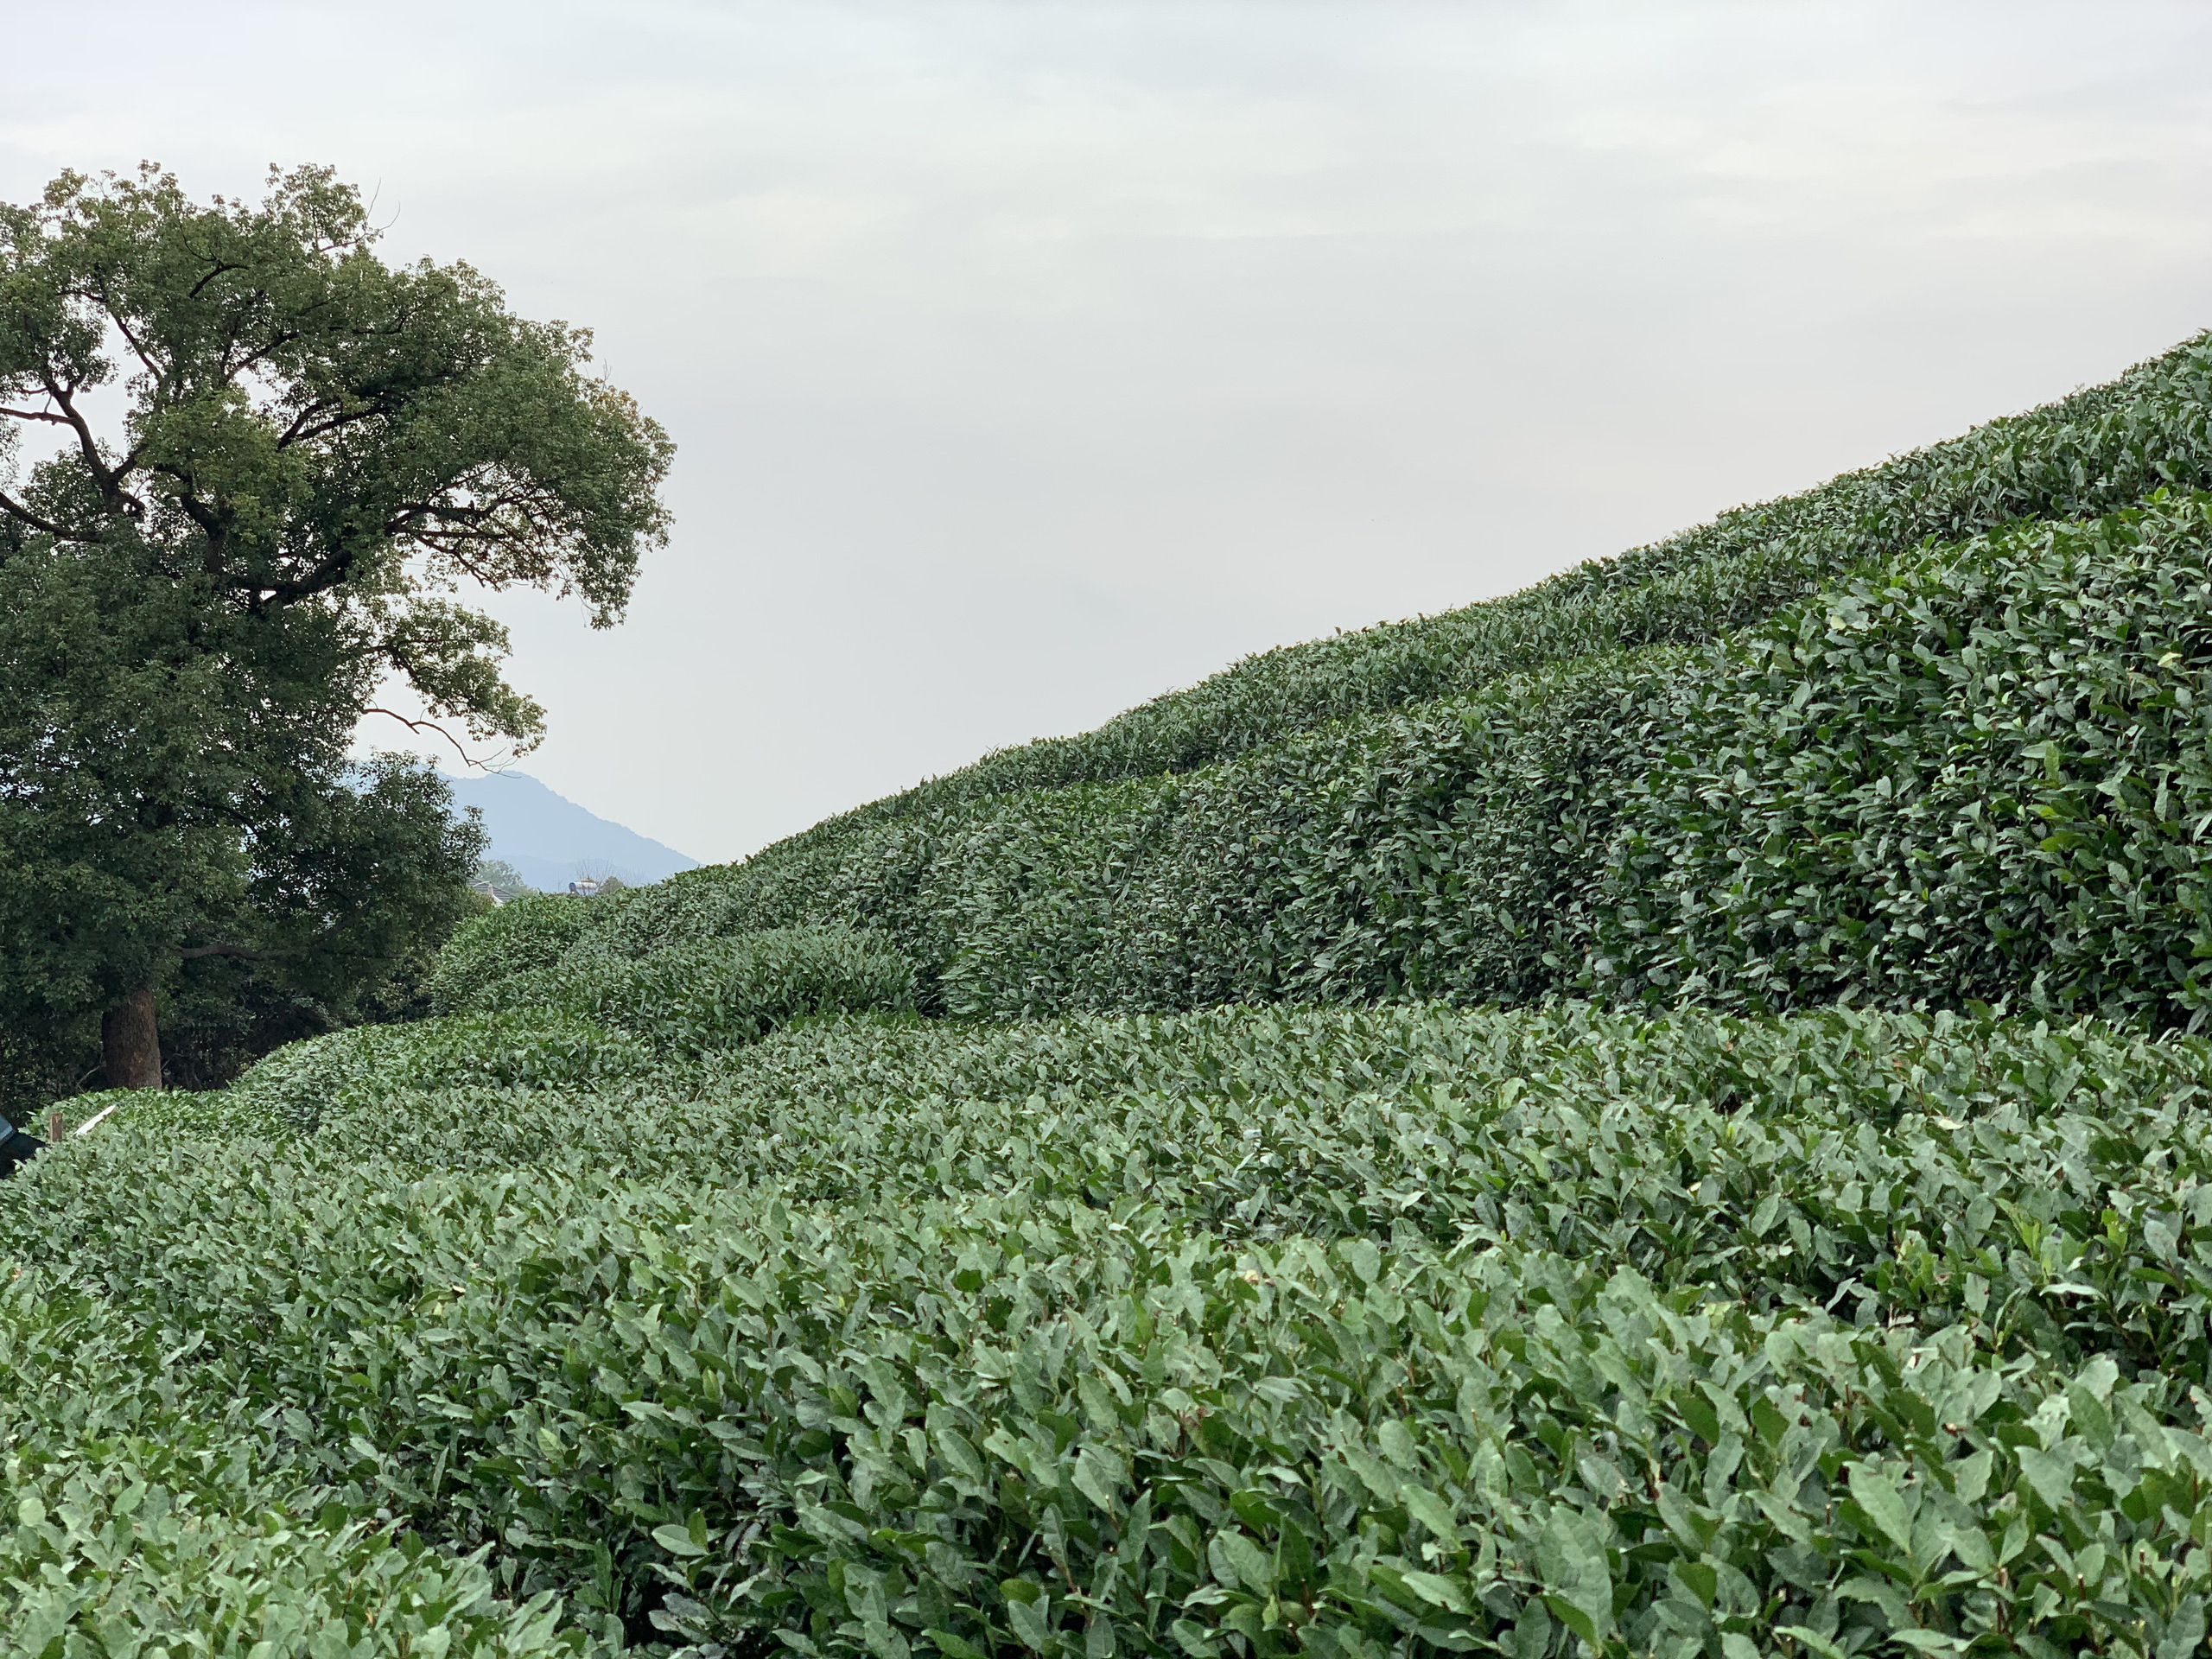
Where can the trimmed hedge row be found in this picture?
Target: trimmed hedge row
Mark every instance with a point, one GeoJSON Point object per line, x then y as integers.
{"type": "Point", "coordinates": [1987, 775]}
{"type": "Point", "coordinates": [1087, 1357]}
{"type": "Point", "coordinates": [591, 1022]}
{"type": "Point", "coordinates": [532, 932]}
{"type": "Point", "coordinates": [1981, 774]}
{"type": "Point", "coordinates": [697, 997]}
{"type": "Point", "coordinates": [299, 1083]}
{"type": "Point", "coordinates": [1729, 1154]}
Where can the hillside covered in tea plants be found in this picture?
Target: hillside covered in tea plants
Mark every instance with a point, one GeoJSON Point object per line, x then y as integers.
{"type": "Point", "coordinates": [1662, 1115]}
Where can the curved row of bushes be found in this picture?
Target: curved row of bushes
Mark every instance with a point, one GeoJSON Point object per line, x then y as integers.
{"type": "Point", "coordinates": [1980, 772]}
{"type": "Point", "coordinates": [1820, 1336]}
{"type": "Point", "coordinates": [696, 996]}
{"type": "Point", "coordinates": [592, 1019]}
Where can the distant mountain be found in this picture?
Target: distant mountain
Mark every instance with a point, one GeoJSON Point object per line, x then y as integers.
{"type": "Point", "coordinates": [551, 841]}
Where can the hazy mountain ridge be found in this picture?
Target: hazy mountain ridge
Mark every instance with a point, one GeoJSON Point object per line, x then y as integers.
{"type": "Point", "coordinates": [550, 840]}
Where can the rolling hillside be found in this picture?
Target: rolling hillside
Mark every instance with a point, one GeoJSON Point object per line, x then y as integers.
{"type": "Point", "coordinates": [1662, 1115]}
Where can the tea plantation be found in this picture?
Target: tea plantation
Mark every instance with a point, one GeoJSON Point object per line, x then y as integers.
{"type": "Point", "coordinates": [1662, 1114]}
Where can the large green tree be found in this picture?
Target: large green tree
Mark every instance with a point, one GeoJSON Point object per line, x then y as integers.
{"type": "Point", "coordinates": [246, 465]}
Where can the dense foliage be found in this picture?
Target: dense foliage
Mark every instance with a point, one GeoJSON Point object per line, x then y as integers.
{"type": "Point", "coordinates": [1320, 1331]}
{"type": "Point", "coordinates": [718, 993]}
{"type": "Point", "coordinates": [243, 463]}
{"type": "Point", "coordinates": [2101, 449]}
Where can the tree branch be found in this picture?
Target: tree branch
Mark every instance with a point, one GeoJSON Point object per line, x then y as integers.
{"type": "Point", "coordinates": [329, 573]}
{"type": "Point", "coordinates": [107, 304]}
{"type": "Point", "coordinates": [77, 423]}
{"type": "Point", "coordinates": [302, 430]}
{"type": "Point", "coordinates": [36, 415]}
{"type": "Point", "coordinates": [432, 726]}
{"type": "Point", "coordinates": [110, 481]}
{"type": "Point", "coordinates": [15, 509]}
{"type": "Point", "coordinates": [268, 347]}
{"type": "Point", "coordinates": [215, 268]}
{"type": "Point", "coordinates": [195, 952]}
{"type": "Point", "coordinates": [196, 510]}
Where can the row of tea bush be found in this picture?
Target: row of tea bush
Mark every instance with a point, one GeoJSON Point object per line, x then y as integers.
{"type": "Point", "coordinates": [1256, 1331]}
{"type": "Point", "coordinates": [1978, 774]}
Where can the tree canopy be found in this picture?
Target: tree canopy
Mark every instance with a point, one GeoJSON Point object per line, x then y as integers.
{"type": "Point", "coordinates": [248, 473]}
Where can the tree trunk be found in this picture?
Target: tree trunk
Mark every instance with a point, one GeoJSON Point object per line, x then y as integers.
{"type": "Point", "coordinates": [130, 1043]}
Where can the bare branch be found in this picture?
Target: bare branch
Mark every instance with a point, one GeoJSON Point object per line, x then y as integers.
{"type": "Point", "coordinates": [36, 415]}
{"type": "Point", "coordinates": [432, 726]}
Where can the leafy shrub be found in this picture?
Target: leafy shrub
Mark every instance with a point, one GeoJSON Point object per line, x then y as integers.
{"type": "Point", "coordinates": [98, 1549]}
{"type": "Point", "coordinates": [1452, 848]}
{"type": "Point", "coordinates": [885, 865]}
{"type": "Point", "coordinates": [530, 932]}
{"type": "Point", "coordinates": [537, 1048]}
{"type": "Point", "coordinates": [1281, 874]}
{"type": "Point", "coordinates": [1403, 1329]}
{"type": "Point", "coordinates": [1977, 774]}
{"type": "Point", "coordinates": [590, 1022]}
{"type": "Point", "coordinates": [2101, 449]}
{"type": "Point", "coordinates": [144, 1515]}
{"type": "Point", "coordinates": [1985, 774]}
{"type": "Point", "coordinates": [716, 994]}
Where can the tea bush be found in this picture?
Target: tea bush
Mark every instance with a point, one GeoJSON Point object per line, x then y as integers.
{"type": "Point", "coordinates": [142, 1517]}
{"type": "Point", "coordinates": [1433, 809]}
{"type": "Point", "coordinates": [1983, 774]}
{"type": "Point", "coordinates": [592, 1020]}
{"type": "Point", "coordinates": [712, 994]}
{"type": "Point", "coordinates": [1410, 1329]}
{"type": "Point", "coordinates": [1978, 774]}
{"type": "Point", "coordinates": [296, 1085]}
{"type": "Point", "coordinates": [530, 932]}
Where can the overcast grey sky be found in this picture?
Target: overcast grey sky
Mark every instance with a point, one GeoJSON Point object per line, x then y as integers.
{"type": "Point", "coordinates": [1031, 358]}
